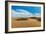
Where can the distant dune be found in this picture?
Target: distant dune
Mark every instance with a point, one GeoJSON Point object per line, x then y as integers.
{"type": "Point", "coordinates": [26, 22]}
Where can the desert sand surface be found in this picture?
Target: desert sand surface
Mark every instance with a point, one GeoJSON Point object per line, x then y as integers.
{"type": "Point", "coordinates": [29, 22]}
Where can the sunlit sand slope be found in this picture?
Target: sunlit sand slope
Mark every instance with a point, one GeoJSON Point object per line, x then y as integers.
{"type": "Point", "coordinates": [26, 23]}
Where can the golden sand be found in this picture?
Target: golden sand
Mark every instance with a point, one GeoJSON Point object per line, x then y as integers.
{"type": "Point", "coordinates": [26, 23]}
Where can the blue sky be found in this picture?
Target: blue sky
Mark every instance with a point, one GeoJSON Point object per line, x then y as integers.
{"type": "Point", "coordinates": [30, 9]}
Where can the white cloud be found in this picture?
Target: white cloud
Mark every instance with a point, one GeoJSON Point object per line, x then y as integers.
{"type": "Point", "coordinates": [21, 14]}
{"type": "Point", "coordinates": [13, 13]}
{"type": "Point", "coordinates": [37, 15]}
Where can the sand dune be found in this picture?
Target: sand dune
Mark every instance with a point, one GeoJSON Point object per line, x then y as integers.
{"type": "Point", "coordinates": [29, 22]}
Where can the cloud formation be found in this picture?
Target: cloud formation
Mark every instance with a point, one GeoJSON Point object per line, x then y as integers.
{"type": "Point", "coordinates": [20, 13]}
